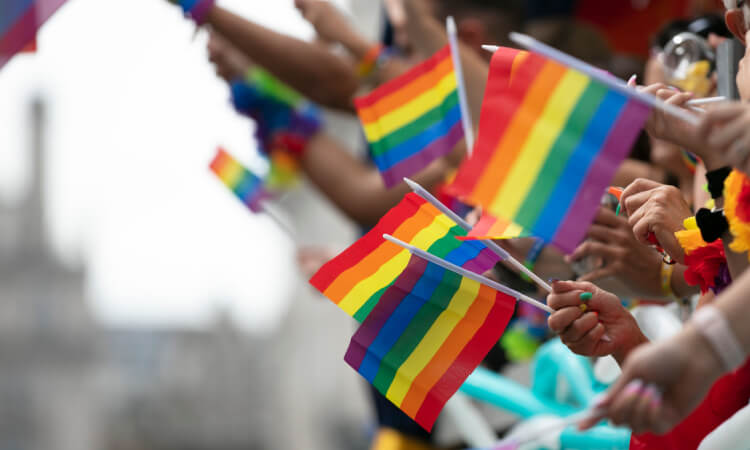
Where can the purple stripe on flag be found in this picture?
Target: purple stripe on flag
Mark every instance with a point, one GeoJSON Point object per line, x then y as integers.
{"type": "Point", "coordinates": [483, 262]}
{"type": "Point", "coordinates": [368, 331]}
{"type": "Point", "coordinates": [410, 166]}
{"type": "Point", "coordinates": [617, 146]}
{"type": "Point", "coordinates": [26, 27]}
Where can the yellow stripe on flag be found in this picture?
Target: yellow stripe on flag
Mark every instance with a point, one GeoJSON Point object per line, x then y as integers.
{"type": "Point", "coordinates": [411, 111]}
{"type": "Point", "coordinates": [537, 147]}
{"type": "Point", "coordinates": [433, 340]}
{"type": "Point", "coordinates": [366, 288]}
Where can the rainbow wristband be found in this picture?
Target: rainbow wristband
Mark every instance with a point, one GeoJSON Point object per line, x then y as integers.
{"type": "Point", "coordinates": [370, 61]}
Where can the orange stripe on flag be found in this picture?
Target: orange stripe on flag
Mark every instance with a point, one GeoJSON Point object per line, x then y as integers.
{"type": "Point", "coordinates": [385, 252]}
{"type": "Point", "coordinates": [453, 346]}
{"type": "Point", "coordinates": [406, 94]}
{"type": "Point", "coordinates": [518, 132]}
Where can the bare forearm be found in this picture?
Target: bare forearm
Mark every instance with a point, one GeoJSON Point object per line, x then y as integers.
{"type": "Point", "coordinates": [736, 308]}
{"type": "Point", "coordinates": [354, 187]}
{"type": "Point", "coordinates": [312, 70]}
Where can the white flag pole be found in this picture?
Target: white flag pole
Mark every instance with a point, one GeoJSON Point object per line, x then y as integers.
{"type": "Point", "coordinates": [611, 81]}
{"type": "Point", "coordinates": [468, 274]}
{"type": "Point", "coordinates": [462, 98]}
{"type": "Point", "coordinates": [499, 251]}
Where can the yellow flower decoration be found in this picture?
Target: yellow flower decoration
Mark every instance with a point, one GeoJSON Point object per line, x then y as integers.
{"type": "Point", "coordinates": [736, 188]}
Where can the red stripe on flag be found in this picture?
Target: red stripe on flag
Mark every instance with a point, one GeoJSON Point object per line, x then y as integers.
{"type": "Point", "coordinates": [492, 329]}
{"type": "Point", "coordinates": [404, 80]}
{"type": "Point", "coordinates": [367, 244]}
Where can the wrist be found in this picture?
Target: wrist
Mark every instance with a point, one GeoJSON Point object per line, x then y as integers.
{"type": "Point", "coordinates": [708, 361]}
{"type": "Point", "coordinates": [720, 338]}
{"type": "Point", "coordinates": [630, 342]}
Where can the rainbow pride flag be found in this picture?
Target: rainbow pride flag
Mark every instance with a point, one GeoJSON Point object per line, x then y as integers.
{"type": "Point", "coordinates": [356, 279]}
{"type": "Point", "coordinates": [427, 334]}
{"type": "Point", "coordinates": [414, 119]}
{"type": "Point", "coordinates": [550, 140]}
{"type": "Point", "coordinates": [19, 22]}
{"type": "Point", "coordinates": [245, 185]}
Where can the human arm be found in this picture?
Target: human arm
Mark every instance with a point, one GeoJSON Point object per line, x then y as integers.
{"type": "Point", "coordinates": [683, 368]}
{"type": "Point", "coordinates": [310, 69]}
{"type": "Point", "coordinates": [635, 267]}
{"type": "Point", "coordinates": [357, 188]}
{"type": "Point", "coordinates": [428, 35]}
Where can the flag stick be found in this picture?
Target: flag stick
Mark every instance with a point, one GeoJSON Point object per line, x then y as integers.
{"type": "Point", "coordinates": [499, 251]}
{"type": "Point", "coordinates": [611, 81]}
{"type": "Point", "coordinates": [468, 274]}
{"type": "Point", "coordinates": [275, 216]}
{"type": "Point", "coordinates": [462, 98]}
{"type": "Point", "coordinates": [536, 435]}
{"type": "Point", "coordinates": [705, 101]}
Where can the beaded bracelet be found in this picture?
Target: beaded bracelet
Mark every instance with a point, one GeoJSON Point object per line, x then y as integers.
{"type": "Point", "coordinates": [369, 61]}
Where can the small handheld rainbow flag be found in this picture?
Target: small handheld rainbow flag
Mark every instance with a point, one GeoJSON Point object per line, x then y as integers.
{"type": "Point", "coordinates": [356, 279]}
{"type": "Point", "coordinates": [414, 119]}
{"type": "Point", "coordinates": [19, 22]}
{"type": "Point", "coordinates": [427, 334]}
{"type": "Point", "coordinates": [245, 185]}
{"type": "Point", "coordinates": [550, 140]}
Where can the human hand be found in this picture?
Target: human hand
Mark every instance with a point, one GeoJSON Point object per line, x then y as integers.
{"type": "Point", "coordinates": [331, 25]}
{"type": "Point", "coordinates": [661, 383]}
{"type": "Point", "coordinates": [656, 208]}
{"type": "Point", "coordinates": [662, 125]}
{"type": "Point", "coordinates": [635, 265]}
{"type": "Point", "coordinates": [602, 327]}
{"type": "Point", "coordinates": [230, 63]}
{"type": "Point", "coordinates": [726, 129]}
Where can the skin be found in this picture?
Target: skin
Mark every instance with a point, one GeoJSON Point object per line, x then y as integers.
{"type": "Point", "coordinates": [606, 328]}
{"type": "Point", "coordinates": [661, 209]}
{"type": "Point", "coordinates": [685, 366]}
{"type": "Point", "coordinates": [355, 187]}
{"type": "Point", "coordinates": [311, 69]}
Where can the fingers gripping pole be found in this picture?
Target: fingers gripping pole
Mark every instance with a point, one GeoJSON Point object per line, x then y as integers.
{"type": "Point", "coordinates": [468, 274]}
{"type": "Point", "coordinates": [499, 251]}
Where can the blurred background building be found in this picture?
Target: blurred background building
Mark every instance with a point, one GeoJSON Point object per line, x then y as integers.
{"type": "Point", "coordinates": [72, 381]}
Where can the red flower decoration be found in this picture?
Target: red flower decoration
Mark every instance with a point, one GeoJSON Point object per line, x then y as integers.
{"type": "Point", "coordinates": [704, 265]}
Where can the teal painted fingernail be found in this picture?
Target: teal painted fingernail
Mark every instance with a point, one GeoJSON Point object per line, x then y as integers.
{"type": "Point", "coordinates": [586, 296]}
{"type": "Point", "coordinates": [617, 212]}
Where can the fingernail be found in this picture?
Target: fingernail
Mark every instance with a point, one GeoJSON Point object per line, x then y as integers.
{"type": "Point", "coordinates": [653, 394]}
{"type": "Point", "coordinates": [553, 280]}
{"type": "Point", "coordinates": [606, 339]}
{"type": "Point", "coordinates": [634, 387]}
{"type": "Point", "coordinates": [632, 80]}
{"type": "Point", "coordinates": [583, 307]}
{"type": "Point", "coordinates": [586, 296]}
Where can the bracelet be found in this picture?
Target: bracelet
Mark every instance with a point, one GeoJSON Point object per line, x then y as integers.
{"type": "Point", "coordinates": [712, 324]}
{"type": "Point", "coordinates": [370, 61]}
{"type": "Point", "coordinates": [716, 180]}
{"type": "Point", "coordinates": [531, 258]}
{"type": "Point", "coordinates": [666, 279]}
